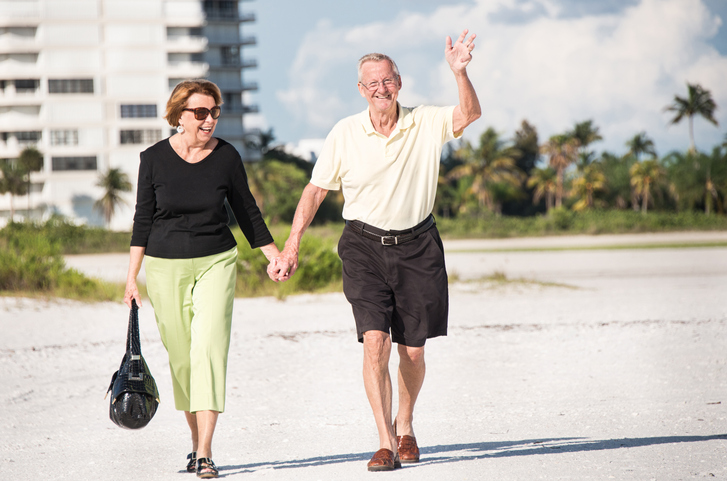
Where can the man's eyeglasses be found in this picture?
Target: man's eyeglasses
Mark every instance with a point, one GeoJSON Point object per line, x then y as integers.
{"type": "Point", "coordinates": [387, 83]}
{"type": "Point", "coordinates": [201, 113]}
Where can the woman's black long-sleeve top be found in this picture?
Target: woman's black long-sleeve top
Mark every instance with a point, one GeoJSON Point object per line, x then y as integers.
{"type": "Point", "coordinates": [180, 211]}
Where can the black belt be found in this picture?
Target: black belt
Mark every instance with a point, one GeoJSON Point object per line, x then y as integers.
{"type": "Point", "coordinates": [391, 237]}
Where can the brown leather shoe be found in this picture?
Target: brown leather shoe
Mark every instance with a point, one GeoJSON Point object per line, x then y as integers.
{"type": "Point", "coordinates": [384, 460]}
{"type": "Point", "coordinates": [408, 449]}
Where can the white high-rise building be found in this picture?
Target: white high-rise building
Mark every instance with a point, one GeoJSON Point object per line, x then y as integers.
{"type": "Point", "coordinates": [86, 82]}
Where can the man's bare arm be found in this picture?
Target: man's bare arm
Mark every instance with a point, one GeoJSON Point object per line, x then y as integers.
{"type": "Point", "coordinates": [308, 205]}
{"type": "Point", "coordinates": [459, 55]}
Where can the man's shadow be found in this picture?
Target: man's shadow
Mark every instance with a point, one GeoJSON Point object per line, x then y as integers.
{"type": "Point", "coordinates": [472, 451]}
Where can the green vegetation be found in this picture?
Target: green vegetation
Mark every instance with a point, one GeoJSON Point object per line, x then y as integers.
{"type": "Point", "coordinates": [565, 222]}
{"type": "Point", "coordinates": [31, 263]}
{"type": "Point", "coordinates": [70, 238]}
{"type": "Point", "coordinates": [319, 267]}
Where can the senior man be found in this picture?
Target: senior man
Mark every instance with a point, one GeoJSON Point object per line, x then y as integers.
{"type": "Point", "coordinates": [386, 161]}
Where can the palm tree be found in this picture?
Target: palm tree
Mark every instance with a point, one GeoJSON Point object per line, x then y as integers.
{"type": "Point", "coordinates": [30, 160]}
{"type": "Point", "coordinates": [590, 181]}
{"type": "Point", "coordinates": [643, 176]}
{"type": "Point", "coordinates": [544, 180]}
{"type": "Point", "coordinates": [640, 144]}
{"type": "Point", "coordinates": [561, 151]}
{"type": "Point", "coordinates": [585, 133]}
{"type": "Point", "coordinates": [12, 182]}
{"type": "Point", "coordinates": [492, 167]}
{"type": "Point", "coordinates": [114, 182]}
{"type": "Point", "coordinates": [698, 178]}
{"type": "Point", "coordinates": [698, 102]}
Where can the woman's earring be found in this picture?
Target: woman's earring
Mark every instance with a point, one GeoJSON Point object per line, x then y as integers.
{"type": "Point", "coordinates": [180, 129]}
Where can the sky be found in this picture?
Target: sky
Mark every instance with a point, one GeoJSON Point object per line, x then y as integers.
{"type": "Point", "coordinates": [550, 62]}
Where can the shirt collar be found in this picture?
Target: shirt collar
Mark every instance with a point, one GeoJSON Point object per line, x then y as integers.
{"type": "Point", "coordinates": [406, 119]}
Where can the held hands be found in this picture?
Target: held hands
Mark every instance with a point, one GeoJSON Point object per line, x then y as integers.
{"type": "Point", "coordinates": [459, 54]}
{"type": "Point", "coordinates": [282, 267]}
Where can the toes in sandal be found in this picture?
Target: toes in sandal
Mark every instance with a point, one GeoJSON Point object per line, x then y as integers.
{"type": "Point", "coordinates": [206, 468]}
{"type": "Point", "coordinates": [192, 464]}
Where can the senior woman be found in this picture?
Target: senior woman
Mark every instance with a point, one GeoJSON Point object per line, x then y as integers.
{"type": "Point", "coordinates": [180, 229]}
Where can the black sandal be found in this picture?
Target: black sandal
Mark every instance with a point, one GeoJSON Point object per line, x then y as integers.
{"type": "Point", "coordinates": [192, 464]}
{"type": "Point", "coordinates": [206, 468]}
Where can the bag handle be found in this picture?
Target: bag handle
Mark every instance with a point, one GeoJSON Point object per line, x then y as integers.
{"type": "Point", "coordinates": [133, 339]}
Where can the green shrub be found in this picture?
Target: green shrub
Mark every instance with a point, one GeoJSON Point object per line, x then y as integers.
{"type": "Point", "coordinates": [71, 238]}
{"type": "Point", "coordinates": [319, 268]}
{"type": "Point", "coordinates": [31, 263]}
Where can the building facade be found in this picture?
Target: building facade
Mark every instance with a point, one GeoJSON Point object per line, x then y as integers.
{"type": "Point", "coordinates": [86, 82]}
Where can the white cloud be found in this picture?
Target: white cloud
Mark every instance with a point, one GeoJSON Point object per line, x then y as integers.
{"type": "Point", "coordinates": [619, 69]}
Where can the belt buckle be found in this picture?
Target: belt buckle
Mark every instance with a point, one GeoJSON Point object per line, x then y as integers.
{"type": "Point", "coordinates": [389, 240]}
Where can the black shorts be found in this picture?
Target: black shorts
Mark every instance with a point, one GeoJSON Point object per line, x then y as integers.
{"type": "Point", "coordinates": [400, 289]}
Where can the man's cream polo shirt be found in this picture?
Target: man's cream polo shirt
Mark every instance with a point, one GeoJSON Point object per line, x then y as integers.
{"type": "Point", "coordinates": [389, 183]}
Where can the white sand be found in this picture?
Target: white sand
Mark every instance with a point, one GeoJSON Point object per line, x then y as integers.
{"type": "Point", "coordinates": [619, 372]}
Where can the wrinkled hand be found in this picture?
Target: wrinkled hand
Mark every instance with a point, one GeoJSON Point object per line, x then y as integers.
{"type": "Point", "coordinates": [459, 53]}
{"type": "Point", "coordinates": [286, 264]}
{"type": "Point", "coordinates": [281, 268]}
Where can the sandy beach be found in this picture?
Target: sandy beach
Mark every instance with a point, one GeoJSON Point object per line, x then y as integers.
{"type": "Point", "coordinates": [587, 364]}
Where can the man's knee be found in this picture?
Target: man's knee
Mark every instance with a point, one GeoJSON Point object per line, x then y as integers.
{"type": "Point", "coordinates": [377, 346]}
{"type": "Point", "coordinates": [413, 355]}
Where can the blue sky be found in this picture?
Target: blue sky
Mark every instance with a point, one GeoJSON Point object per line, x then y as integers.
{"type": "Point", "coordinates": [552, 62]}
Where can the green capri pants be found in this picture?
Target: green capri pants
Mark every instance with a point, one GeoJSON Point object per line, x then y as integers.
{"type": "Point", "coordinates": [192, 301]}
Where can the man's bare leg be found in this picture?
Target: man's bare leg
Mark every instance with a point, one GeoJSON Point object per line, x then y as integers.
{"type": "Point", "coordinates": [410, 377]}
{"type": "Point", "coordinates": [377, 381]}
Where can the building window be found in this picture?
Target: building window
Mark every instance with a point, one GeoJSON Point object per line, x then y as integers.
{"type": "Point", "coordinates": [30, 137]}
{"type": "Point", "coordinates": [19, 57]}
{"type": "Point", "coordinates": [230, 56]}
{"type": "Point", "coordinates": [148, 136]}
{"type": "Point", "coordinates": [183, 32]}
{"type": "Point", "coordinates": [221, 9]}
{"type": "Point", "coordinates": [70, 86]}
{"type": "Point", "coordinates": [138, 111]}
{"type": "Point", "coordinates": [175, 58]}
{"type": "Point", "coordinates": [74, 163]}
{"type": "Point", "coordinates": [26, 85]}
{"type": "Point", "coordinates": [64, 137]}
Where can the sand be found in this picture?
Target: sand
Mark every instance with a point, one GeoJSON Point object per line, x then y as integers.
{"type": "Point", "coordinates": [587, 364]}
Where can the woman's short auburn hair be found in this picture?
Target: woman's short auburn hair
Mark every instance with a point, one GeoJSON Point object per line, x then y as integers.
{"type": "Point", "coordinates": [181, 93]}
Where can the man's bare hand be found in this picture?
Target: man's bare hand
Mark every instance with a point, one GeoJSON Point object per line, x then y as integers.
{"type": "Point", "coordinates": [459, 53]}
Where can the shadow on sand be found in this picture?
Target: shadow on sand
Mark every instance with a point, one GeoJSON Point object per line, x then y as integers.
{"type": "Point", "coordinates": [463, 452]}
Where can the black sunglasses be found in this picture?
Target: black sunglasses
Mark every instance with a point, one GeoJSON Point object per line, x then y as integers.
{"type": "Point", "coordinates": [201, 113]}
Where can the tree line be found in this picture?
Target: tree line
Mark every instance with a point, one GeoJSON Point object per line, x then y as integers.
{"type": "Point", "coordinates": [507, 176]}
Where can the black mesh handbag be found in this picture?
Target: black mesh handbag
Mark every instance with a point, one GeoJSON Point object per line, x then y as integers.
{"type": "Point", "coordinates": [134, 394]}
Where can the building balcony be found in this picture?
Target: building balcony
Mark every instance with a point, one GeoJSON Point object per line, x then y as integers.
{"type": "Point", "coordinates": [11, 44]}
{"type": "Point", "coordinates": [184, 14]}
{"type": "Point", "coordinates": [249, 86]}
{"type": "Point", "coordinates": [11, 96]}
{"type": "Point", "coordinates": [20, 13]}
{"type": "Point", "coordinates": [20, 118]}
{"type": "Point", "coordinates": [248, 41]}
{"type": "Point", "coordinates": [187, 44]}
{"type": "Point", "coordinates": [187, 69]}
{"type": "Point", "coordinates": [250, 109]}
{"type": "Point", "coordinates": [249, 63]}
{"type": "Point", "coordinates": [247, 17]}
